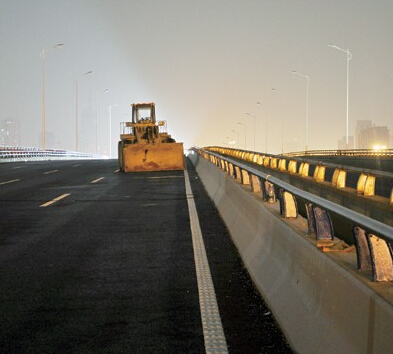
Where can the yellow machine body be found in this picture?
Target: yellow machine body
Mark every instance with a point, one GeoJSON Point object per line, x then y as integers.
{"type": "Point", "coordinates": [151, 157]}
{"type": "Point", "coordinates": [145, 145]}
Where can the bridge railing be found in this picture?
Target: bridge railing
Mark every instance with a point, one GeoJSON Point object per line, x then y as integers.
{"type": "Point", "coordinates": [372, 238]}
{"type": "Point", "coordinates": [351, 152]}
{"type": "Point", "coordinates": [12, 154]}
{"type": "Point", "coordinates": [363, 180]}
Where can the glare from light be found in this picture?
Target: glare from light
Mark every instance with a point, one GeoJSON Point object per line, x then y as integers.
{"type": "Point", "coordinates": [378, 147]}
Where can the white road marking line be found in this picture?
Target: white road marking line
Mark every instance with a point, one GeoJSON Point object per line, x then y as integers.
{"type": "Point", "coordinates": [55, 200]}
{"type": "Point", "coordinates": [97, 180]}
{"type": "Point", "coordinates": [163, 177]}
{"type": "Point", "coordinates": [49, 172]}
{"type": "Point", "coordinates": [118, 170]}
{"type": "Point", "coordinates": [211, 322]}
{"type": "Point", "coordinates": [76, 165]}
{"type": "Point", "coordinates": [12, 181]}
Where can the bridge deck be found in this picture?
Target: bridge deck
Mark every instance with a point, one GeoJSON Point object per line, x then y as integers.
{"type": "Point", "coordinates": [97, 261]}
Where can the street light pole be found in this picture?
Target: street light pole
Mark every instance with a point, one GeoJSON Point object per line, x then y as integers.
{"type": "Point", "coordinates": [236, 132]}
{"type": "Point", "coordinates": [254, 127]}
{"type": "Point", "coordinates": [97, 108]}
{"type": "Point", "coordinates": [110, 128]}
{"type": "Point", "coordinates": [266, 126]}
{"type": "Point", "coordinates": [42, 56]}
{"type": "Point", "coordinates": [308, 82]}
{"type": "Point", "coordinates": [349, 56]}
{"type": "Point", "coordinates": [76, 108]}
{"type": "Point", "coordinates": [245, 135]}
{"type": "Point", "coordinates": [282, 127]}
{"type": "Point", "coordinates": [260, 104]}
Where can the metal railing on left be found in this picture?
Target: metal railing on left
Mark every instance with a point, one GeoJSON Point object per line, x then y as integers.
{"type": "Point", "coordinates": [13, 154]}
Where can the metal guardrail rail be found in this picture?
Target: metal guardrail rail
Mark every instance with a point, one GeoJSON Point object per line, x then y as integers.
{"type": "Point", "coordinates": [13, 154]}
{"type": "Point", "coordinates": [352, 152]}
{"type": "Point", "coordinates": [372, 254]}
{"type": "Point", "coordinates": [366, 180]}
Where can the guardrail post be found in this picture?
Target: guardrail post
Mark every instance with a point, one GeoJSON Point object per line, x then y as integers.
{"type": "Point", "coordinates": [362, 249]}
{"type": "Point", "coordinates": [226, 167]}
{"type": "Point", "coordinates": [292, 166]}
{"type": "Point", "coordinates": [369, 187]}
{"type": "Point", "coordinates": [361, 183]}
{"type": "Point", "coordinates": [381, 258]}
{"type": "Point", "coordinates": [268, 192]}
{"type": "Point", "coordinates": [339, 177]}
{"type": "Point", "coordinates": [391, 197]}
{"type": "Point", "coordinates": [282, 164]}
{"type": "Point", "coordinates": [319, 222]}
{"type": "Point", "coordinates": [230, 170]}
{"type": "Point", "coordinates": [303, 169]}
{"type": "Point", "coordinates": [310, 219]}
{"type": "Point", "coordinates": [245, 177]}
{"type": "Point", "coordinates": [288, 205]}
{"type": "Point", "coordinates": [255, 184]}
{"type": "Point", "coordinates": [373, 253]}
{"type": "Point", "coordinates": [319, 173]}
{"type": "Point", "coordinates": [238, 174]}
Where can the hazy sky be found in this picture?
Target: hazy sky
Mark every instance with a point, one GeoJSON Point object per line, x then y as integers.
{"type": "Point", "coordinates": [204, 63]}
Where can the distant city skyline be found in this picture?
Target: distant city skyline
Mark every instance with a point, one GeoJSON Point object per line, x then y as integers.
{"type": "Point", "coordinates": [205, 64]}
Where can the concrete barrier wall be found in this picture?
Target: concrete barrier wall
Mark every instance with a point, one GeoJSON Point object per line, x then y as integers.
{"type": "Point", "coordinates": [321, 305]}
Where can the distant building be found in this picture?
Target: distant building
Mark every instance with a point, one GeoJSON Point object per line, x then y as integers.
{"type": "Point", "coordinates": [342, 143]}
{"type": "Point", "coordinates": [376, 137]}
{"type": "Point", "coordinates": [10, 132]}
{"type": "Point", "coordinates": [361, 125]}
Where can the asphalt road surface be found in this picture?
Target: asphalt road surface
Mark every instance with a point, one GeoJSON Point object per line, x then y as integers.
{"type": "Point", "coordinates": [97, 261]}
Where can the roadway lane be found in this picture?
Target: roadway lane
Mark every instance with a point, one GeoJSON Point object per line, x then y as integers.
{"type": "Point", "coordinates": [109, 267]}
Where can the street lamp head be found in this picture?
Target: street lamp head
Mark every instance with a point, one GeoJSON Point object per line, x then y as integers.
{"type": "Point", "coordinates": [300, 74]}
{"type": "Point", "coordinates": [43, 51]}
{"type": "Point", "coordinates": [349, 55]}
{"type": "Point", "coordinates": [336, 47]}
{"type": "Point", "coordinates": [89, 72]}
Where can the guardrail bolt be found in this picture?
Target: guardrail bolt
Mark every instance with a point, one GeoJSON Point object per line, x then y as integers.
{"type": "Point", "coordinates": [271, 194]}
